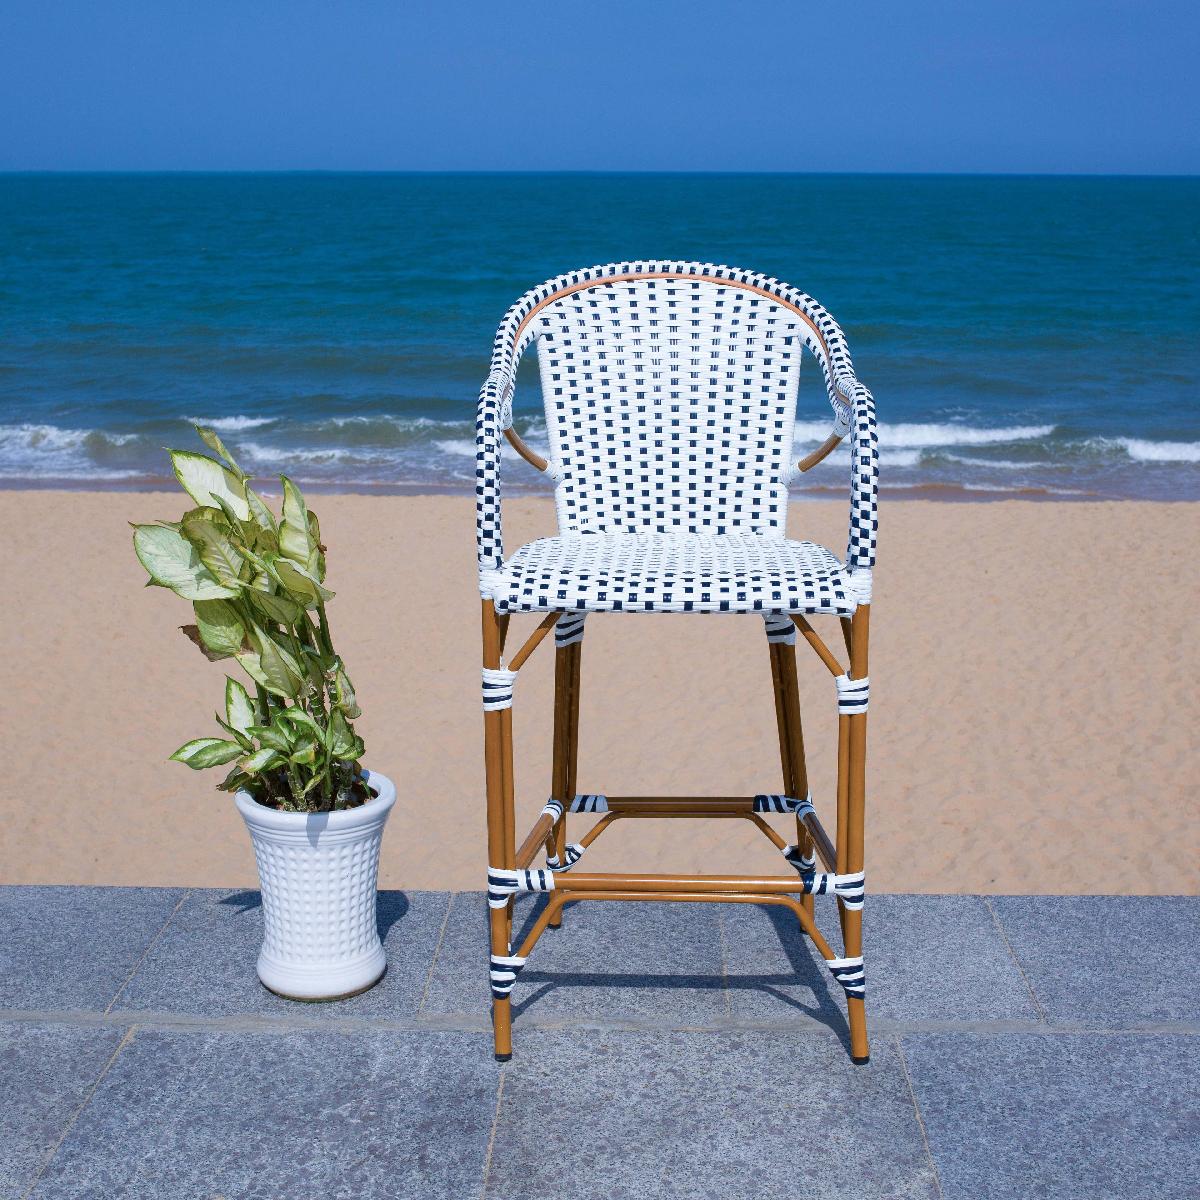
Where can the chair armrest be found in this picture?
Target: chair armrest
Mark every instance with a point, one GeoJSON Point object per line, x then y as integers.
{"type": "Point", "coordinates": [864, 477]}
{"type": "Point", "coordinates": [493, 414]}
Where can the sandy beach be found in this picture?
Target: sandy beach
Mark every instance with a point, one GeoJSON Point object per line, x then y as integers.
{"type": "Point", "coordinates": [1035, 733]}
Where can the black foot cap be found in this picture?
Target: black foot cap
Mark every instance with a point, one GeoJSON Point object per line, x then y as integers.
{"type": "Point", "coordinates": [860, 1062]}
{"type": "Point", "coordinates": [506, 1057]}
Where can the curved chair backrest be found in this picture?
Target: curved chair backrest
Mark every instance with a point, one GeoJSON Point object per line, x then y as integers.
{"type": "Point", "coordinates": [670, 394]}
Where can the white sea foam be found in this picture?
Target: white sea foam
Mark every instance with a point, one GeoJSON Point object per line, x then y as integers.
{"type": "Point", "coordinates": [463, 448]}
{"type": "Point", "coordinates": [931, 436]}
{"type": "Point", "coordinates": [230, 424]}
{"type": "Point", "coordinates": [1000, 464]}
{"type": "Point", "coordinates": [1166, 452]}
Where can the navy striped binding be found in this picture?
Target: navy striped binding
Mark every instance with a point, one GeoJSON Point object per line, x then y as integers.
{"type": "Point", "coordinates": [784, 804]}
{"type": "Point", "coordinates": [571, 854]}
{"type": "Point", "coordinates": [504, 971]}
{"type": "Point", "coordinates": [850, 888]}
{"type": "Point", "coordinates": [590, 804]}
{"type": "Point", "coordinates": [497, 688]}
{"type": "Point", "coordinates": [568, 629]}
{"type": "Point", "coordinates": [780, 628]}
{"type": "Point", "coordinates": [850, 974]}
{"type": "Point", "coordinates": [852, 695]}
{"type": "Point", "coordinates": [503, 884]}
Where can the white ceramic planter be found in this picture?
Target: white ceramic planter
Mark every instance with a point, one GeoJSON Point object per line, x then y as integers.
{"type": "Point", "coordinates": [319, 874]}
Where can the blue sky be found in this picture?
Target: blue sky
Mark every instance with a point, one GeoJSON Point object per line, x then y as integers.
{"type": "Point", "coordinates": [975, 85]}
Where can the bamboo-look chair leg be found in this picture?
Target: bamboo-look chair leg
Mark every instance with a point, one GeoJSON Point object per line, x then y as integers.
{"type": "Point", "coordinates": [791, 739]}
{"type": "Point", "coordinates": [502, 851]}
{"type": "Point", "coordinates": [561, 754]}
{"type": "Point", "coordinates": [852, 766]}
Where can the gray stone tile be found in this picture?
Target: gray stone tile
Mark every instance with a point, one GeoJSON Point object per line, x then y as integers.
{"type": "Point", "coordinates": [263, 1116]}
{"type": "Point", "coordinates": [204, 963]}
{"type": "Point", "coordinates": [73, 947]}
{"type": "Point", "coordinates": [1114, 960]}
{"type": "Point", "coordinates": [611, 961]}
{"type": "Point", "coordinates": [46, 1073]}
{"type": "Point", "coordinates": [1079, 1115]}
{"type": "Point", "coordinates": [927, 958]}
{"type": "Point", "coordinates": [645, 1114]}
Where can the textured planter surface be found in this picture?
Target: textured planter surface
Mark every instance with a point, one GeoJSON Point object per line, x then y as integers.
{"type": "Point", "coordinates": [319, 874]}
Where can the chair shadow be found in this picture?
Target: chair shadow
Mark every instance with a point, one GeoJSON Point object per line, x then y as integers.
{"type": "Point", "coordinates": [807, 973]}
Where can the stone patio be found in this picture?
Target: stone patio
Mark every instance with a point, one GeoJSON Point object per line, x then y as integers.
{"type": "Point", "coordinates": [1022, 1046]}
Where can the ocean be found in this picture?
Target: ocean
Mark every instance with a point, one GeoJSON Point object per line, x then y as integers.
{"type": "Point", "coordinates": [1023, 336]}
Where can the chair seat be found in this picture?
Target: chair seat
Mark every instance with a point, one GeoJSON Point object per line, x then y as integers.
{"type": "Point", "coordinates": [657, 572]}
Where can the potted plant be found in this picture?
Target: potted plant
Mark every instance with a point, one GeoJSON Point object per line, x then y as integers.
{"type": "Point", "coordinates": [257, 587]}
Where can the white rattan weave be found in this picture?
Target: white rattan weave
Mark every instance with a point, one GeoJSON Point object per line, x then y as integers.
{"type": "Point", "coordinates": [670, 394]}
{"type": "Point", "coordinates": [682, 572]}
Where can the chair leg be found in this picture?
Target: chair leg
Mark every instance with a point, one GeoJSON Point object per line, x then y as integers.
{"type": "Point", "coordinates": [851, 831]}
{"type": "Point", "coordinates": [561, 754]}
{"type": "Point", "coordinates": [791, 739]}
{"type": "Point", "coordinates": [502, 852]}
{"type": "Point", "coordinates": [567, 663]}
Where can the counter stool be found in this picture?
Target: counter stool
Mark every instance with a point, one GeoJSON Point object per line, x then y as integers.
{"type": "Point", "coordinates": [670, 393]}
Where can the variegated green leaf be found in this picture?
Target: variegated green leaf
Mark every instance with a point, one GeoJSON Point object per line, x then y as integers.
{"type": "Point", "coordinates": [261, 760]}
{"type": "Point", "coordinates": [299, 583]}
{"type": "Point", "coordinates": [213, 442]}
{"type": "Point", "coordinates": [344, 690]}
{"type": "Point", "coordinates": [270, 735]}
{"type": "Point", "coordinates": [216, 550]}
{"type": "Point", "coordinates": [259, 512]}
{"type": "Point", "coordinates": [316, 560]}
{"type": "Point", "coordinates": [206, 752]}
{"type": "Point", "coordinates": [238, 736]}
{"type": "Point", "coordinates": [278, 608]}
{"type": "Point", "coordinates": [220, 627]}
{"type": "Point", "coordinates": [294, 541]}
{"type": "Point", "coordinates": [283, 674]}
{"type": "Point", "coordinates": [203, 478]}
{"type": "Point", "coordinates": [173, 562]}
{"type": "Point", "coordinates": [239, 708]}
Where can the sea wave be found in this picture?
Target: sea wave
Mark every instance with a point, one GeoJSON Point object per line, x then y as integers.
{"type": "Point", "coordinates": [1159, 452]}
{"type": "Point", "coordinates": [390, 450]}
{"type": "Point", "coordinates": [925, 436]}
{"type": "Point", "coordinates": [231, 424]}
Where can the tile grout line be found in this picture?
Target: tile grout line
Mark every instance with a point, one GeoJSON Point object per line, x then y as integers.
{"type": "Point", "coordinates": [1037, 1004]}
{"type": "Point", "coordinates": [250, 1022]}
{"type": "Point", "coordinates": [436, 951]}
{"type": "Point", "coordinates": [112, 1058]}
{"type": "Point", "coordinates": [137, 966]}
{"type": "Point", "coordinates": [487, 1158]}
{"type": "Point", "coordinates": [937, 1179]}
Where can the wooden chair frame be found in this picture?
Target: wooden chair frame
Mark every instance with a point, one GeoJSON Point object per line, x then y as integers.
{"type": "Point", "coordinates": [843, 854]}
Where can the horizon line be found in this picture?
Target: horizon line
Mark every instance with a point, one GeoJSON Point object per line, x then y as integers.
{"type": "Point", "coordinates": [590, 173]}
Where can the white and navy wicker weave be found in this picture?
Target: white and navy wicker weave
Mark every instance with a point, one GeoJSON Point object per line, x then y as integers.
{"type": "Point", "coordinates": [670, 393]}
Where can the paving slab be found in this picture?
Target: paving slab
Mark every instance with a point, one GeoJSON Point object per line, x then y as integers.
{"type": "Point", "coordinates": [1059, 1116]}
{"type": "Point", "coordinates": [204, 962]}
{"type": "Point", "coordinates": [47, 1071]}
{"type": "Point", "coordinates": [610, 961]}
{"type": "Point", "coordinates": [308, 1115]}
{"type": "Point", "coordinates": [1113, 960]}
{"type": "Point", "coordinates": [74, 947]}
{"type": "Point", "coordinates": [927, 958]}
{"type": "Point", "coordinates": [646, 1114]}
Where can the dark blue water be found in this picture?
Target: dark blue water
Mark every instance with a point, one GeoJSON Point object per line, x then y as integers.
{"type": "Point", "coordinates": [1020, 334]}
